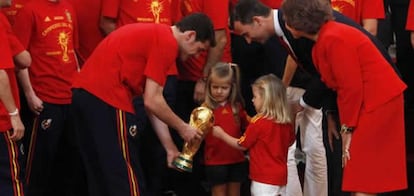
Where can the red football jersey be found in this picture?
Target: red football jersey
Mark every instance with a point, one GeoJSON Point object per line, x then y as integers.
{"type": "Point", "coordinates": [48, 31]}
{"type": "Point", "coordinates": [268, 143]}
{"type": "Point", "coordinates": [123, 61]}
{"type": "Point", "coordinates": [216, 151]}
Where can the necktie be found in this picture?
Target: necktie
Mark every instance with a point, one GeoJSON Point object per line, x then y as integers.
{"type": "Point", "coordinates": [290, 52]}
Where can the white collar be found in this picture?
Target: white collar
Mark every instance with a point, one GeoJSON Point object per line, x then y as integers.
{"type": "Point", "coordinates": [278, 29]}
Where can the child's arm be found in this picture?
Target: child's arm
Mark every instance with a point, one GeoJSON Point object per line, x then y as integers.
{"type": "Point", "coordinates": [231, 141]}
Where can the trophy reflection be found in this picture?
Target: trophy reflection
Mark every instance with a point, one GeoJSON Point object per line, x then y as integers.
{"type": "Point", "coordinates": [203, 119]}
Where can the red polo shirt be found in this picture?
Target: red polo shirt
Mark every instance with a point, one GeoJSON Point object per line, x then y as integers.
{"type": "Point", "coordinates": [119, 66]}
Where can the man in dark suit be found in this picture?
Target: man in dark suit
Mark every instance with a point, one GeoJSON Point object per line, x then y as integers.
{"type": "Point", "coordinates": [258, 23]}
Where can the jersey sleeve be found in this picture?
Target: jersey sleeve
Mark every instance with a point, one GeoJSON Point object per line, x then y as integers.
{"type": "Point", "coordinates": [373, 9]}
{"type": "Point", "coordinates": [251, 135]}
{"type": "Point", "coordinates": [23, 26]}
{"type": "Point", "coordinates": [161, 57]}
{"type": "Point", "coordinates": [5, 53]}
{"type": "Point", "coordinates": [15, 45]}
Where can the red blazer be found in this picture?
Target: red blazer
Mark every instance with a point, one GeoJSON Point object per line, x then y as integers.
{"type": "Point", "coordinates": [353, 67]}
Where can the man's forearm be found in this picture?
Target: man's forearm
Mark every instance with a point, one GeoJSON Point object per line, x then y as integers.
{"type": "Point", "coordinates": [163, 133]}
{"type": "Point", "coordinates": [290, 69]}
{"type": "Point", "coordinates": [24, 81]}
{"type": "Point", "coordinates": [155, 103]}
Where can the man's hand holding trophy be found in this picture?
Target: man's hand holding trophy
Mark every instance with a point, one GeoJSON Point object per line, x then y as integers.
{"type": "Point", "coordinates": [203, 119]}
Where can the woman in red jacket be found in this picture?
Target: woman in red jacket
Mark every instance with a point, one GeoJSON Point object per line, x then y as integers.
{"type": "Point", "coordinates": [370, 97]}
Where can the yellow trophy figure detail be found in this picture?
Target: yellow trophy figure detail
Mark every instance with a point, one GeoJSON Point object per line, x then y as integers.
{"type": "Point", "coordinates": [156, 9]}
{"type": "Point", "coordinates": [63, 42]}
{"type": "Point", "coordinates": [203, 119]}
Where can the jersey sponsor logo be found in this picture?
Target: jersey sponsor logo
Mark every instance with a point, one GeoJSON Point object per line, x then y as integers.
{"type": "Point", "coordinates": [133, 130]}
{"type": "Point", "coordinates": [56, 26]}
{"type": "Point", "coordinates": [46, 123]}
{"type": "Point", "coordinates": [225, 111]}
{"type": "Point", "coordinates": [58, 18]}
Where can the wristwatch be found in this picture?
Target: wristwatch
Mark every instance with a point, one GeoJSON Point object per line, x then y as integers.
{"type": "Point", "coordinates": [346, 129]}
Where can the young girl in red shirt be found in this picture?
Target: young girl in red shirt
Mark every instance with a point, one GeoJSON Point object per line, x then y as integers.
{"type": "Point", "coordinates": [226, 167]}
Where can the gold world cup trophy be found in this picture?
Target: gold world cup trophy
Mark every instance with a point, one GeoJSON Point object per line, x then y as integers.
{"type": "Point", "coordinates": [203, 119]}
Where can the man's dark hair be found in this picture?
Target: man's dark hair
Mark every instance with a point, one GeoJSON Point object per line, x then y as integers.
{"type": "Point", "coordinates": [201, 24]}
{"type": "Point", "coordinates": [245, 10]}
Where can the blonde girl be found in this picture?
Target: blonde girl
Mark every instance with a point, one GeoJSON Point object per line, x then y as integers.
{"type": "Point", "coordinates": [268, 137]}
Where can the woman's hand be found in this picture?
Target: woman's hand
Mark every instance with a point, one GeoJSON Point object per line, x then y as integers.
{"type": "Point", "coordinates": [346, 143]}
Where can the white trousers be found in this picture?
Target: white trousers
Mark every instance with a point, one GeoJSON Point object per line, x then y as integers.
{"type": "Point", "coordinates": [262, 189]}
{"type": "Point", "coordinates": [315, 178]}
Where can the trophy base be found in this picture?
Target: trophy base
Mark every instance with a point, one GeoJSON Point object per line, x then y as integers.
{"type": "Point", "coordinates": [183, 164]}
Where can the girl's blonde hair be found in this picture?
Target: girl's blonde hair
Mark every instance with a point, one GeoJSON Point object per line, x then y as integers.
{"type": "Point", "coordinates": [231, 72]}
{"type": "Point", "coordinates": [273, 92]}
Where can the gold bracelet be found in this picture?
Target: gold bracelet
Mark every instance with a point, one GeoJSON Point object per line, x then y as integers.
{"type": "Point", "coordinates": [346, 129]}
